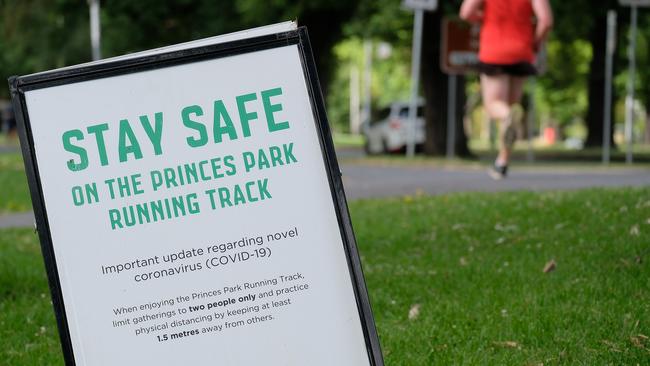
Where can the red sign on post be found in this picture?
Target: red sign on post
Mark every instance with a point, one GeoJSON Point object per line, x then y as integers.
{"type": "Point", "coordinates": [460, 42]}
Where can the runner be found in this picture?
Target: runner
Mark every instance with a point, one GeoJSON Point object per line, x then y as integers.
{"type": "Point", "coordinates": [511, 32]}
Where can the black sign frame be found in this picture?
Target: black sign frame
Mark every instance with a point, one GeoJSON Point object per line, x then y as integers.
{"type": "Point", "coordinates": [20, 84]}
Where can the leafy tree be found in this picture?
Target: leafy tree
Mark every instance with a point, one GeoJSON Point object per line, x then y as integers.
{"type": "Point", "coordinates": [37, 35]}
{"type": "Point", "coordinates": [386, 20]}
{"type": "Point", "coordinates": [136, 25]}
{"type": "Point", "coordinates": [561, 91]}
{"type": "Point", "coordinates": [324, 19]}
{"type": "Point", "coordinates": [129, 26]}
{"type": "Point", "coordinates": [40, 34]}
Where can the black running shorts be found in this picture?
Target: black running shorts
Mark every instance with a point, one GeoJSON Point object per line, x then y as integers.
{"type": "Point", "coordinates": [516, 69]}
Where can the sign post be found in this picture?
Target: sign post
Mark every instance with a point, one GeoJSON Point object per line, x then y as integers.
{"type": "Point", "coordinates": [190, 207]}
{"type": "Point", "coordinates": [418, 7]}
{"type": "Point", "coordinates": [95, 29]}
{"type": "Point", "coordinates": [611, 47]}
{"type": "Point", "coordinates": [459, 46]}
{"type": "Point", "coordinates": [459, 55]}
{"type": "Point", "coordinates": [629, 99]}
{"type": "Point", "coordinates": [530, 121]}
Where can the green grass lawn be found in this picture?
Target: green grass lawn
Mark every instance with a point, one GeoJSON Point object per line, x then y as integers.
{"type": "Point", "coordinates": [345, 140]}
{"type": "Point", "coordinates": [14, 196]}
{"type": "Point", "coordinates": [473, 266]}
{"type": "Point", "coordinates": [28, 333]}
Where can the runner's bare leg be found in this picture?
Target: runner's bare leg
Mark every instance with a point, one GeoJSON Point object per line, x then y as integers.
{"type": "Point", "coordinates": [496, 100]}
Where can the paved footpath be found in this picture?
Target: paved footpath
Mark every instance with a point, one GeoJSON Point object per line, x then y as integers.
{"type": "Point", "coordinates": [367, 181]}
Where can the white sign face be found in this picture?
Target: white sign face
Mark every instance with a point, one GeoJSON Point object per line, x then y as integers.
{"type": "Point", "coordinates": [192, 219]}
{"type": "Point", "coordinates": [429, 5]}
{"type": "Point", "coordinates": [638, 3]}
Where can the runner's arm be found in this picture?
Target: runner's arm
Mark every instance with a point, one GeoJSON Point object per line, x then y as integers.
{"type": "Point", "coordinates": [472, 10]}
{"type": "Point", "coordinates": [544, 15]}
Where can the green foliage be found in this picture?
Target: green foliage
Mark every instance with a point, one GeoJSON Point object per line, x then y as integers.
{"type": "Point", "coordinates": [15, 194]}
{"type": "Point", "coordinates": [574, 19]}
{"type": "Point", "coordinates": [382, 19]}
{"type": "Point", "coordinates": [390, 78]}
{"type": "Point", "coordinates": [129, 26]}
{"type": "Point", "coordinates": [643, 71]}
{"type": "Point", "coordinates": [561, 94]}
{"type": "Point", "coordinates": [378, 21]}
{"type": "Point", "coordinates": [38, 34]}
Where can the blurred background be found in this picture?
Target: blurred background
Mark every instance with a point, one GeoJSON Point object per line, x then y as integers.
{"type": "Point", "coordinates": [363, 49]}
{"type": "Point", "coordinates": [553, 269]}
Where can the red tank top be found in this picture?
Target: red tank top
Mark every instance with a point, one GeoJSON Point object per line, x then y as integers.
{"type": "Point", "coordinates": [507, 33]}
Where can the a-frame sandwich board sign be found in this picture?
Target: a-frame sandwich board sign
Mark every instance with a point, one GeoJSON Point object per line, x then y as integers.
{"type": "Point", "coordinates": [191, 210]}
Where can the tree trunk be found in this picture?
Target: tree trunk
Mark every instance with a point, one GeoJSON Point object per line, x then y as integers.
{"type": "Point", "coordinates": [325, 29]}
{"type": "Point", "coordinates": [434, 85]}
{"type": "Point", "coordinates": [596, 84]}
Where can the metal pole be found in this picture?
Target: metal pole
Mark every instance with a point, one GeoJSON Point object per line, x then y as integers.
{"type": "Point", "coordinates": [95, 29]}
{"type": "Point", "coordinates": [607, 122]}
{"type": "Point", "coordinates": [629, 101]}
{"type": "Point", "coordinates": [415, 81]}
{"type": "Point", "coordinates": [451, 115]}
{"type": "Point", "coordinates": [355, 120]}
{"type": "Point", "coordinates": [367, 81]}
{"type": "Point", "coordinates": [530, 122]}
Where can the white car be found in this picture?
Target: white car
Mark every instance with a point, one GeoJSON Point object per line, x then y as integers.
{"type": "Point", "coordinates": [388, 132]}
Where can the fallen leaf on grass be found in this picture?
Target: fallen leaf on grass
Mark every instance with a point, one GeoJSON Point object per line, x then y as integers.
{"type": "Point", "coordinates": [462, 261]}
{"type": "Point", "coordinates": [499, 227]}
{"type": "Point", "coordinates": [640, 341]}
{"type": "Point", "coordinates": [440, 347]}
{"type": "Point", "coordinates": [414, 312]}
{"type": "Point", "coordinates": [507, 344]}
{"type": "Point", "coordinates": [611, 345]}
{"type": "Point", "coordinates": [634, 230]}
{"type": "Point", "coordinates": [550, 266]}
{"type": "Point", "coordinates": [560, 226]}
{"type": "Point", "coordinates": [457, 226]}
